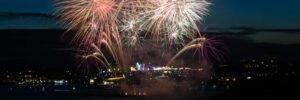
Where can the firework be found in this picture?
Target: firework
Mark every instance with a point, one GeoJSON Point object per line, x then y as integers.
{"type": "Point", "coordinates": [108, 25]}
{"type": "Point", "coordinates": [206, 48]}
{"type": "Point", "coordinates": [181, 16]}
{"type": "Point", "coordinates": [165, 19]}
{"type": "Point", "coordinates": [96, 18]}
{"type": "Point", "coordinates": [92, 19]}
{"type": "Point", "coordinates": [130, 32]}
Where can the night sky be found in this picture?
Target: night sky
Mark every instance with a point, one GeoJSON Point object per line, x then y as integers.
{"type": "Point", "coordinates": [256, 26]}
{"type": "Point", "coordinates": [266, 14]}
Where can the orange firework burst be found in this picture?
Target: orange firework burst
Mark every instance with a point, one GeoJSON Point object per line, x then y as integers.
{"type": "Point", "coordinates": [93, 19]}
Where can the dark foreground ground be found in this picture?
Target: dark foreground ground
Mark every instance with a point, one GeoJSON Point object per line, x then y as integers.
{"type": "Point", "coordinates": [249, 90]}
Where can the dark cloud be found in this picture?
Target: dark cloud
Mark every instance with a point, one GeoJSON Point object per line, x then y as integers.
{"type": "Point", "coordinates": [291, 31]}
{"type": "Point", "coordinates": [255, 30]}
{"type": "Point", "coordinates": [249, 31]}
{"type": "Point", "coordinates": [11, 16]}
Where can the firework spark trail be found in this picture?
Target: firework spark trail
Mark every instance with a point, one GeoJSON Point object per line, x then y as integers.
{"type": "Point", "coordinates": [130, 31]}
{"type": "Point", "coordinates": [96, 22]}
{"type": "Point", "coordinates": [206, 47]}
{"type": "Point", "coordinates": [91, 18]}
{"type": "Point", "coordinates": [87, 59]}
{"type": "Point", "coordinates": [133, 12]}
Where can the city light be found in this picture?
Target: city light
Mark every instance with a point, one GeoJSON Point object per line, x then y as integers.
{"type": "Point", "coordinates": [248, 77]}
